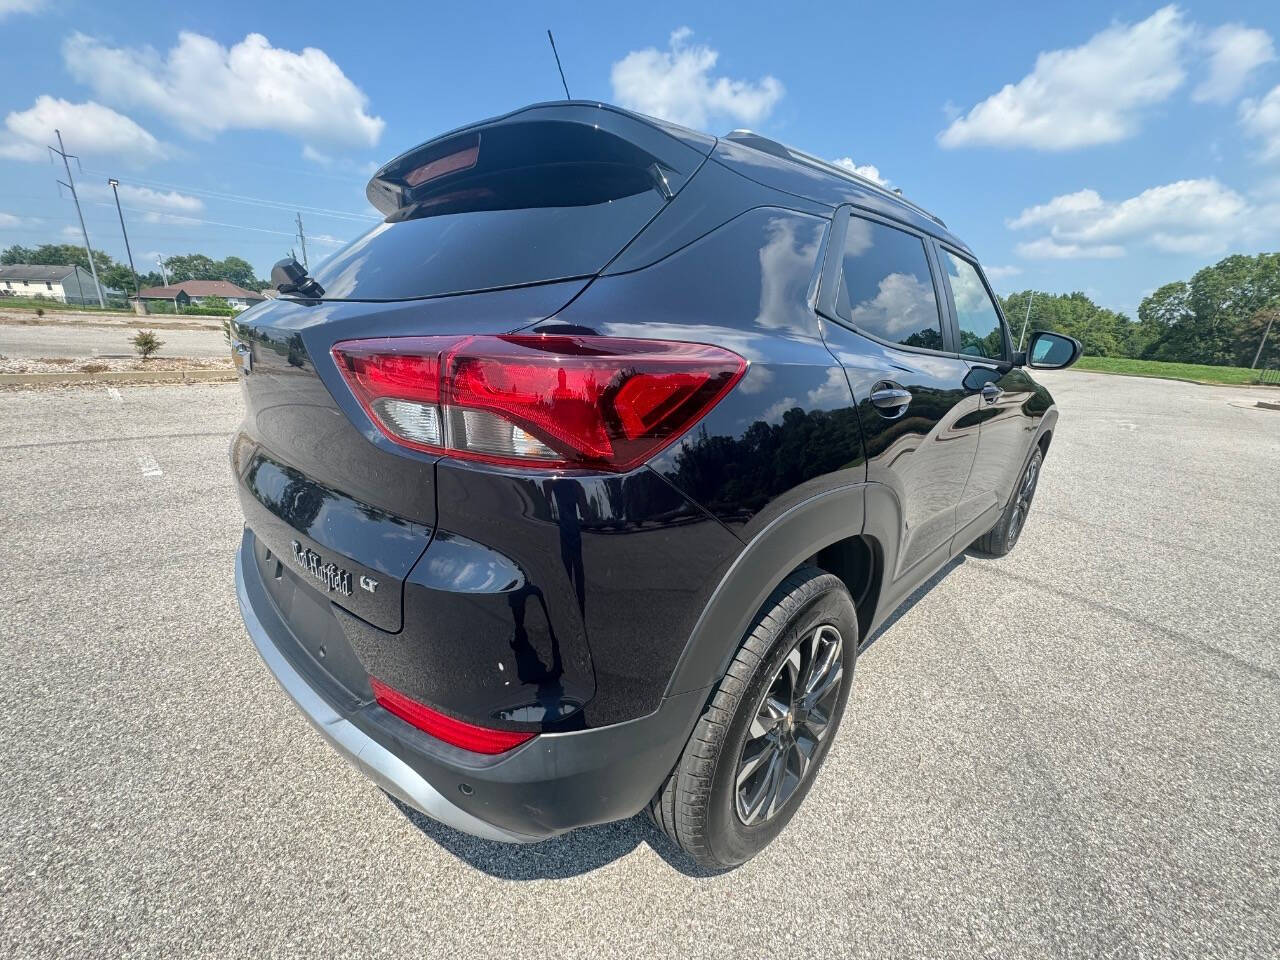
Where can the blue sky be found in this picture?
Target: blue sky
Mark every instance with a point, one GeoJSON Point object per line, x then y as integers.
{"type": "Point", "coordinates": [1104, 147]}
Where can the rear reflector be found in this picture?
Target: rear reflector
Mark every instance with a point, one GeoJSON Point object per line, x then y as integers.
{"type": "Point", "coordinates": [544, 401]}
{"type": "Point", "coordinates": [468, 736]}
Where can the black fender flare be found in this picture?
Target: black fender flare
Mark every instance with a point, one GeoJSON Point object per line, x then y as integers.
{"type": "Point", "coordinates": [785, 543]}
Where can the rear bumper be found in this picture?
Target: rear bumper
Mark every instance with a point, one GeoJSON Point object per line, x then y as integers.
{"type": "Point", "coordinates": [552, 784]}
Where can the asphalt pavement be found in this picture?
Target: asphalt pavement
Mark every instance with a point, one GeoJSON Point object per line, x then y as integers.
{"type": "Point", "coordinates": [1071, 751]}
{"type": "Point", "coordinates": [85, 340]}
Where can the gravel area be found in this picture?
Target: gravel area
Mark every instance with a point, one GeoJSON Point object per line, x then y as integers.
{"type": "Point", "coordinates": [1068, 752]}
{"type": "Point", "coordinates": [104, 364]}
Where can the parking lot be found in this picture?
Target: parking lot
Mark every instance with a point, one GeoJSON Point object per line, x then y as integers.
{"type": "Point", "coordinates": [1068, 752]}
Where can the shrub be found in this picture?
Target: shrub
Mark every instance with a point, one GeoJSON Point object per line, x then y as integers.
{"type": "Point", "coordinates": [93, 367]}
{"type": "Point", "coordinates": [146, 343]}
{"type": "Point", "coordinates": [208, 311]}
{"type": "Point", "coordinates": [39, 311]}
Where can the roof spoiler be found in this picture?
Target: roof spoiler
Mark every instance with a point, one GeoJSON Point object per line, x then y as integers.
{"type": "Point", "coordinates": [439, 160]}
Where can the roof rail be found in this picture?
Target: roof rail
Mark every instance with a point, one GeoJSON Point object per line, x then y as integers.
{"type": "Point", "coordinates": [751, 139]}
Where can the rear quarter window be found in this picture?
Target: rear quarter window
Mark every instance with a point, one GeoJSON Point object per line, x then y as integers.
{"type": "Point", "coordinates": [886, 286]}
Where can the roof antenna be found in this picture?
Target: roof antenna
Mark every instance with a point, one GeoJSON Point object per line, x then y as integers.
{"type": "Point", "coordinates": [558, 67]}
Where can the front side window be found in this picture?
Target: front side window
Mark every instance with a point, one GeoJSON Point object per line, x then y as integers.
{"type": "Point", "coordinates": [981, 332]}
{"type": "Point", "coordinates": [886, 289]}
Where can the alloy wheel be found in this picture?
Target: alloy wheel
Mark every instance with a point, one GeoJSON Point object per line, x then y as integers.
{"type": "Point", "coordinates": [790, 722]}
{"type": "Point", "coordinates": [1022, 505]}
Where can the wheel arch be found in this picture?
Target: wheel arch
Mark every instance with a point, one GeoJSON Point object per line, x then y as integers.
{"type": "Point", "coordinates": [827, 530]}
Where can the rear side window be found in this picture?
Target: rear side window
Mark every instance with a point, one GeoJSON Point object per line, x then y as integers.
{"type": "Point", "coordinates": [981, 332]}
{"type": "Point", "coordinates": [511, 204]}
{"type": "Point", "coordinates": [886, 288]}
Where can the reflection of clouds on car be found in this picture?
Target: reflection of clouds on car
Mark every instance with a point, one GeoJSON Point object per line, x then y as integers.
{"type": "Point", "coordinates": [903, 305]}
{"type": "Point", "coordinates": [886, 288]}
{"type": "Point", "coordinates": [786, 262]}
{"type": "Point", "coordinates": [981, 334]}
{"type": "Point", "coordinates": [857, 239]}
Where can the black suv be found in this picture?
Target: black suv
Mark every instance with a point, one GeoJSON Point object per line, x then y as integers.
{"type": "Point", "coordinates": [574, 487]}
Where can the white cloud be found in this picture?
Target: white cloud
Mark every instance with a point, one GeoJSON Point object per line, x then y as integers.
{"type": "Point", "coordinates": [1083, 96]}
{"type": "Point", "coordinates": [157, 216]}
{"type": "Point", "coordinates": [9, 220]}
{"type": "Point", "coordinates": [207, 88]}
{"type": "Point", "coordinates": [867, 170]}
{"type": "Point", "coordinates": [8, 7]}
{"type": "Point", "coordinates": [1235, 51]}
{"type": "Point", "coordinates": [1002, 272]}
{"type": "Point", "coordinates": [1261, 118]}
{"type": "Point", "coordinates": [676, 85]}
{"type": "Point", "coordinates": [164, 199]}
{"type": "Point", "coordinates": [312, 155]}
{"type": "Point", "coordinates": [1082, 201]}
{"type": "Point", "coordinates": [1047, 248]}
{"type": "Point", "coordinates": [1187, 216]}
{"type": "Point", "coordinates": [87, 128]}
{"type": "Point", "coordinates": [144, 197]}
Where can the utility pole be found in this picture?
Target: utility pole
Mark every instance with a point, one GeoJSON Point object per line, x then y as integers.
{"type": "Point", "coordinates": [163, 272]}
{"type": "Point", "coordinates": [302, 239]}
{"type": "Point", "coordinates": [71, 185]}
{"type": "Point", "coordinates": [1265, 333]}
{"type": "Point", "coordinates": [1027, 319]}
{"type": "Point", "coordinates": [137, 290]}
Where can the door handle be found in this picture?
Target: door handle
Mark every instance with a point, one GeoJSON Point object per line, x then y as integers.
{"type": "Point", "coordinates": [890, 399]}
{"type": "Point", "coordinates": [991, 393]}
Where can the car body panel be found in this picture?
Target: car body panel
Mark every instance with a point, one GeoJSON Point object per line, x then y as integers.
{"type": "Point", "coordinates": [599, 610]}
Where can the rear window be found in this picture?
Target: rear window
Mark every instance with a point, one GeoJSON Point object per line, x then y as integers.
{"type": "Point", "coordinates": [511, 204]}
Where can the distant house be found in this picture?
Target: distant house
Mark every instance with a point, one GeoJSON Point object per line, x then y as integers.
{"type": "Point", "coordinates": [66, 284]}
{"type": "Point", "coordinates": [197, 291]}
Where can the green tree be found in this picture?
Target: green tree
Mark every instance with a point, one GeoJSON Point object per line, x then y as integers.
{"type": "Point", "coordinates": [1217, 317]}
{"type": "Point", "coordinates": [55, 254]}
{"type": "Point", "coordinates": [1104, 333]}
{"type": "Point", "coordinates": [198, 266]}
{"type": "Point", "coordinates": [117, 277]}
{"type": "Point", "coordinates": [192, 266]}
{"type": "Point", "coordinates": [239, 272]}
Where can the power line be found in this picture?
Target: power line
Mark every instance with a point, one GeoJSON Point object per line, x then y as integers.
{"type": "Point", "coordinates": [253, 201]}
{"type": "Point", "coordinates": [71, 185]}
{"type": "Point", "coordinates": [183, 218]}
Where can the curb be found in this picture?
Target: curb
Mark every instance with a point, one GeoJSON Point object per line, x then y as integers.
{"type": "Point", "coordinates": [117, 376]}
{"type": "Point", "coordinates": [1165, 376]}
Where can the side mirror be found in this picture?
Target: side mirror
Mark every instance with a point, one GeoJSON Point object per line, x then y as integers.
{"type": "Point", "coordinates": [1052, 351]}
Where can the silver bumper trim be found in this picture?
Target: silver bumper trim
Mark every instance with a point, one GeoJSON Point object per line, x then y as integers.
{"type": "Point", "coordinates": [367, 755]}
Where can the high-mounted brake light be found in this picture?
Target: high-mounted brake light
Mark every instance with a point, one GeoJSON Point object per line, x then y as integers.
{"type": "Point", "coordinates": [544, 401]}
{"type": "Point", "coordinates": [468, 736]}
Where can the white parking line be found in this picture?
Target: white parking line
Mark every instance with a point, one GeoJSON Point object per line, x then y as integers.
{"type": "Point", "coordinates": [148, 465]}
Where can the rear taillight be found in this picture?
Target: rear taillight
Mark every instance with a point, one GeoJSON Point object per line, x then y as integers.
{"type": "Point", "coordinates": [468, 736]}
{"type": "Point", "coordinates": [546, 401]}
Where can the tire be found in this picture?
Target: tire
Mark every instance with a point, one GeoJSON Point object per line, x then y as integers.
{"type": "Point", "coordinates": [701, 807]}
{"type": "Point", "coordinates": [1003, 537]}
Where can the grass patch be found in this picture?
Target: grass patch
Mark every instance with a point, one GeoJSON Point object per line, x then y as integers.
{"type": "Point", "coordinates": [1201, 372]}
{"type": "Point", "coordinates": [34, 303]}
